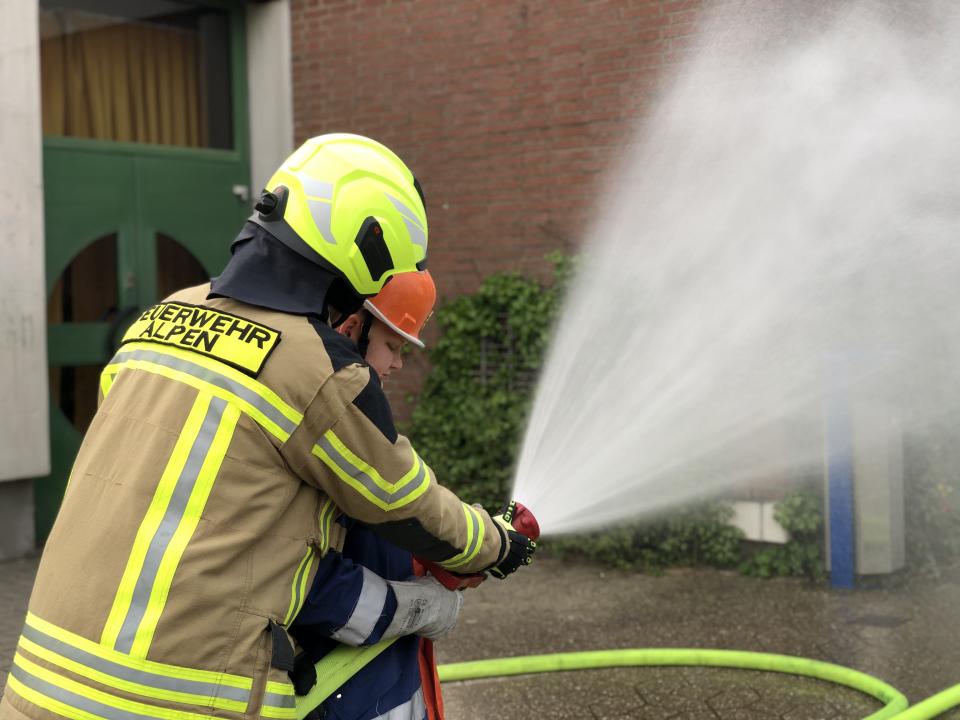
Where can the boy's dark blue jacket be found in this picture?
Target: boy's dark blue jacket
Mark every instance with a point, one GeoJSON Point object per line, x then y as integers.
{"type": "Point", "coordinates": [335, 599]}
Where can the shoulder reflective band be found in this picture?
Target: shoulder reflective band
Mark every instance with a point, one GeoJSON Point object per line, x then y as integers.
{"type": "Point", "coordinates": [170, 522]}
{"type": "Point", "coordinates": [231, 339]}
{"type": "Point", "coordinates": [258, 401]}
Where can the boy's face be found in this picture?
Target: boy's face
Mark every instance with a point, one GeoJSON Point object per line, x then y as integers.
{"type": "Point", "coordinates": [385, 349]}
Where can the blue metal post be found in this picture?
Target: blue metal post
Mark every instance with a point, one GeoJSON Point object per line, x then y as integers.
{"type": "Point", "coordinates": [840, 483]}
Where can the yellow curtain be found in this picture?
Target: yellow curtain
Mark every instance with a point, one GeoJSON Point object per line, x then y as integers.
{"type": "Point", "coordinates": [127, 82]}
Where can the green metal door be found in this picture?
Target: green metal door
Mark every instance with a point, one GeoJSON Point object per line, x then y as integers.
{"type": "Point", "coordinates": [126, 224]}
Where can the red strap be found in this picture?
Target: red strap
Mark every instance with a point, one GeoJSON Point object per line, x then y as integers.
{"type": "Point", "coordinates": [429, 679]}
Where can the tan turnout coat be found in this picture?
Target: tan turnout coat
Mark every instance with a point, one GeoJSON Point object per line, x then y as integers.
{"type": "Point", "coordinates": [207, 486]}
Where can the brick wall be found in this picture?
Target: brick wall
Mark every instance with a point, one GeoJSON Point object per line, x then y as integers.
{"type": "Point", "coordinates": [508, 112]}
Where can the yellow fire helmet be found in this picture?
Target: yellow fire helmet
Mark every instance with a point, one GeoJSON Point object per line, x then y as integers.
{"type": "Point", "coordinates": [348, 203]}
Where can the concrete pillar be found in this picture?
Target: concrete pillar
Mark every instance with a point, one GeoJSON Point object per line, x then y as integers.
{"type": "Point", "coordinates": [864, 488]}
{"type": "Point", "coordinates": [24, 433]}
{"type": "Point", "coordinates": [270, 89]}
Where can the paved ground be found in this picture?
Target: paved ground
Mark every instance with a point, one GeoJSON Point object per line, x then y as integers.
{"type": "Point", "coordinates": [16, 581]}
{"type": "Point", "coordinates": [905, 634]}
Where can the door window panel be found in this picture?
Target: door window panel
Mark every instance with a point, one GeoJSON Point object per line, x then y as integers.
{"type": "Point", "coordinates": [153, 72]}
{"type": "Point", "coordinates": [177, 268]}
{"type": "Point", "coordinates": [86, 292]}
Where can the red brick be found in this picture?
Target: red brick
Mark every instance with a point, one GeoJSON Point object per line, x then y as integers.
{"type": "Point", "coordinates": [509, 114]}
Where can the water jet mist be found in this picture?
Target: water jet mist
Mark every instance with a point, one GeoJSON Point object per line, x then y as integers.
{"type": "Point", "coordinates": [786, 222]}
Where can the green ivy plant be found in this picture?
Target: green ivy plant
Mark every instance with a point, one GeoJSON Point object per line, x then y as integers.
{"type": "Point", "coordinates": [469, 419]}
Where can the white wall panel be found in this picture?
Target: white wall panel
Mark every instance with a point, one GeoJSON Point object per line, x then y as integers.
{"type": "Point", "coordinates": [24, 441]}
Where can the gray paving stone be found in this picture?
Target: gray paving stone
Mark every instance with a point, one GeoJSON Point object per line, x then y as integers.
{"type": "Point", "coordinates": [904, 634]}
{"type": "Point", "coordinates": [16, 581]}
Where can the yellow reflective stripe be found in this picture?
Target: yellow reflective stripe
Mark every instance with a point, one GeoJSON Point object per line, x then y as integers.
{"type": "Point", "coordinates": [276, 712]}
{"type": "Point", "coordinates": [298, 587]}
{"type": "Point", "coordinates": [279, 688]}
{"type": "Point", "coordinates": [68, 697]}
{"type": "Point", "coordinates": [187, 526]}
{"type": "Point", "coordinates": [48, 703]}
{"type": "Point", "coordinates": [126, 685]}
{"type": "Point", "coordinates": [326, 524]}
{"type": "Point", "coordinates": [279, 701]}
{"type": "Point", "coordinates": [366, 480]}
{"type": "Point", "coordinates": [475, 533]}
{"type": "Point", "coordinates": [152, 519]}
{"type": "Point", "coordinates": [150, 666]}
{"type": "Point", "coordinates": [251, 396]}
{"type": "Point", "coordinates": [235, 375]}
{"type": "Point", "coordinates": [106, 380]}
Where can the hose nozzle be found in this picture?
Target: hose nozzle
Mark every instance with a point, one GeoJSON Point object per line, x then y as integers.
{"type": "Point", "coordinates": [523, 521]}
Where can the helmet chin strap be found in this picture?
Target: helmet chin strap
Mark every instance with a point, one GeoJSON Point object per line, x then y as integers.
{"type": "Point", "coordinates": [363, 342]}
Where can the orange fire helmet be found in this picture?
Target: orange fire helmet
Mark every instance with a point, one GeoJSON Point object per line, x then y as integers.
{"type": "Point", "coordinates": [405, 304]}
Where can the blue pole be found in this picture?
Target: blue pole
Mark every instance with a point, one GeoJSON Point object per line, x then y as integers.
{"type": "Point", "coordinates": [840, 484]}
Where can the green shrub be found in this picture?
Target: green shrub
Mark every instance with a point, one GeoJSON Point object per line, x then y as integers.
{"type": "Point", "coordinates": [932, 500]}
{"type": "Point", "coordinates": [469, 419]}
{"type": "Point", "coordinates": [801, 514]}
{"type": "Point", "coordinates": [699, 535]}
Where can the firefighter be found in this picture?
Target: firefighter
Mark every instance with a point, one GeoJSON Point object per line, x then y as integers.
{"type": "Point", "coordinates": [400, 682]}
{"type": "Point", "coordinates": [234, 425]}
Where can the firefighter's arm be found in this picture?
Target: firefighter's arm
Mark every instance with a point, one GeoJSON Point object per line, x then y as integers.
{"type": "Point", "coordinates": [347, 446]}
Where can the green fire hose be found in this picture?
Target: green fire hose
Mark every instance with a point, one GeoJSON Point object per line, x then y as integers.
{"type": "Point", "coordinates": [337, 669]}
{"type": "Point", "coordinates": [933, 706]}
{"type": "Point", "coordinates": [894, 701]}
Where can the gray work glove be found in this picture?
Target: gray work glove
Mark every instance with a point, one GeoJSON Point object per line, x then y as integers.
{"type": "Point", "coordinates": [424, 607]}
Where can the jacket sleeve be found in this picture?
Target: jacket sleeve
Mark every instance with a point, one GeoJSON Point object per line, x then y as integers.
{"type": "Point", "coordinates": [346, 446]}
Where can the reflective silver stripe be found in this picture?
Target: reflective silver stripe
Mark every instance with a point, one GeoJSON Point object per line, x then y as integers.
{"type": "Point", "coordinates": [315, 188]}
{"type": "Point", "coordinates": [169, 524]}
{"type": "Point", "coordinates": [212, 377]}
{"type": "Point", "coordinates": [403, 208]}
{"type": "Point", "coordinates": [357, 474]}
{"type": "Point", "coordinates": [373, 596]}
{"type": "Point", "coordinates": [412, 709]}
{"type": "Point", "coordinates": [141, 677]}
{"type": "Point", "coordinates": [475, 525]}
{"type": "Point", "coordinates": [75, 701]}
{"type": "Point", "coordinates": [277, 700]}
{"type": "Point", "coordinates": [322, 213]}
{"type": "Point", "coordinates": [417, 234]}
{"type": "Point", "coordinates": [322, 209]}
